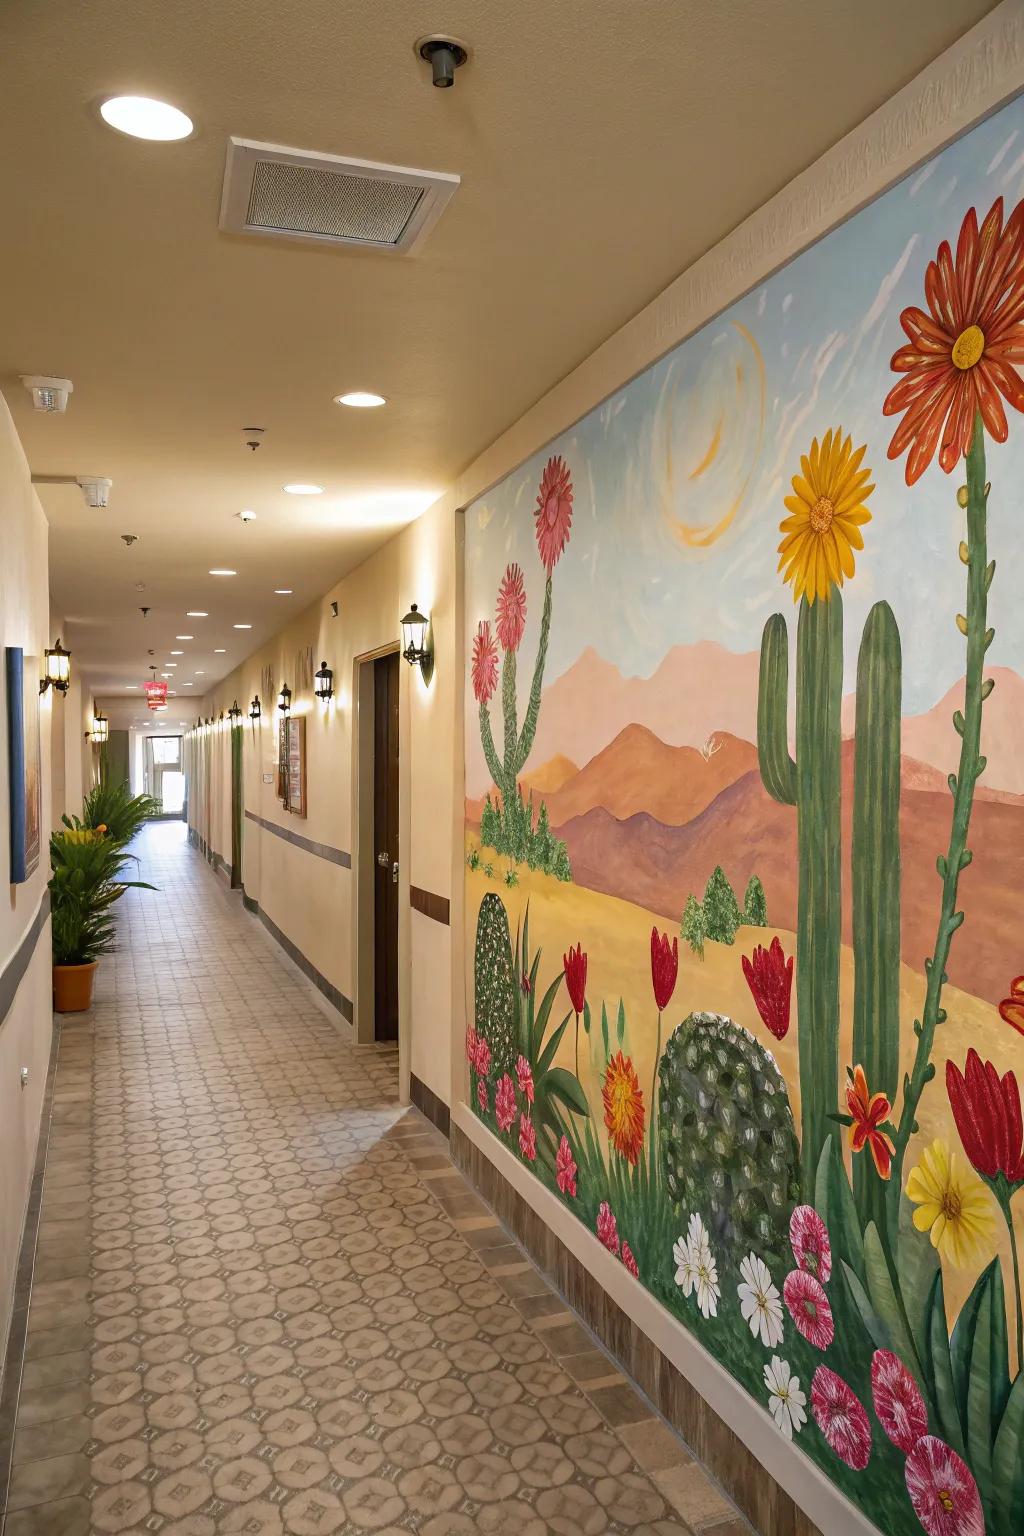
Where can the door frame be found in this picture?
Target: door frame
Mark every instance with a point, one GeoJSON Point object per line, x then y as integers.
{"type": "Point", "coordinates": [364, 856]}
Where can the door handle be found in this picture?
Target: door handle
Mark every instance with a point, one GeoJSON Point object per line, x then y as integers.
{"type": "Point", "coordinates": [394, 873]}
{"type": "Point", "coordinates": [383, 859]}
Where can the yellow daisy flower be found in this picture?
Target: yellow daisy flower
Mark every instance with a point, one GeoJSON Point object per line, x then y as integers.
{"type": "Point", "coordinates": [828, 512]}
{"type": "Point", "coordinates": [953, 1205]}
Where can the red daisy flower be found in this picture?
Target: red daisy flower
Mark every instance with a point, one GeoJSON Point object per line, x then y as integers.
{"type": "Point", "coordinates": [527, 1138]}
{"type": "Point", "coordinates": [839, 1414]}
{"type": "Point", "coordinates": [485, 663]}
{"type": "Point", "coordinates": [943, 1492]}
{"type": "Point", "coordinates": [553, 515]}
{"type": "Point", "coordinates": [770, 979]}
{"type": "Point", "coordinates": [481, 1095]}
{"type": "Point", "coordinates": [623, 1107]}
{"type": "Point", "coordinates": [511, 620]}
{"type": "Point", "coordinates": [899, 1406]}
{"type": "Point", "coordinates": [505, 1103]}
{"type": "Point", "coordinates": [607, 1227]}
{"type": "Point", "coordinates": [525, 1076]}
{"type": "Point", "coordinates": [630, 1261]}
{"type": "Point", "coordinates": [808, 1237]}
{"type": "Point", "coordinates": [565, 1168]}
{"type": "Point", "coordinates": [869, 1111]}
{"type": "Point", "coordinates": [809, 1308]}
{"type": "Point", "coordinates": [961, 353]}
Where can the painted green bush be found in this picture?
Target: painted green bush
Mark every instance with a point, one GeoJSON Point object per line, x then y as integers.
{"type": "Point", "coordinates": [495, 985]}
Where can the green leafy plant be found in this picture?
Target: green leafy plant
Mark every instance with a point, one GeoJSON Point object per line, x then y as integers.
{"type": "Point", "coordinates": [556, 1089]}
{"type": "Point", "coordinates": [86, 880]}
{"type": "Point", "coordinates": [694, 928]}
{"type": "Point", "coordinates": [115, 808]}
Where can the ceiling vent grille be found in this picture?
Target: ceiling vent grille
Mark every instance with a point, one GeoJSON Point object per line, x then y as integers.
{"type": "Point", "coordinates": [330, 199]}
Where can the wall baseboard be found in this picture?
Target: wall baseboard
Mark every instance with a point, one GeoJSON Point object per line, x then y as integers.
{"type": "Point", "coordinates": [333, 994]}
{"type": "Point", "coordinates": [765, 1504]}
{"type": "Point", "coordinates": [428, 1103]}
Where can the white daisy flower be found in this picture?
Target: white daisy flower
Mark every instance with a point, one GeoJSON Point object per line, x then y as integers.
{"type": "Point", "coordinates": [697, 1237]}
{"type": "Point", "coordinates": [686, 1268]}
{"type": "Point", "coordinates": [708, 1289]}
{"type": "Point", "coordinates": [786, 1398]}
{"type": "Point", "coordinates": [760, 1301]}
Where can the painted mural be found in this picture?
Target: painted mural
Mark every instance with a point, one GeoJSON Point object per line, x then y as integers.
{"type": "Point", "coordinates": [745, 838]}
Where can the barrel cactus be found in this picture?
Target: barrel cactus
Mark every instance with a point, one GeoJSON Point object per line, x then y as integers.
{"type": "Point", "coordinates": [495, 985]}
{"type": "Point", "coordinates": [728, 1143]}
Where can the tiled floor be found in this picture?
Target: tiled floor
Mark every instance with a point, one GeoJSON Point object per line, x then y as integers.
{"type": "Point", "coordinates": [264, 1301]}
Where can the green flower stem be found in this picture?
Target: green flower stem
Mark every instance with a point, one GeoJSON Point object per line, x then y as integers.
{"type": "Point", "coordinates": [525, 744]}
{"type": "Point", "coordinates": [511, 726]}
{"type": "Point", "coordinates": [971, 766]}
{"type": "Point", "coordinates": [490, 751]}
{"type": "Point", "coordinates": [654, 1080]}
{"type": "Point", "coordinates": [1004, 1205]}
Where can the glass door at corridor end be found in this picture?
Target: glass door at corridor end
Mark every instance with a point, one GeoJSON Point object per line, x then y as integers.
{"type": "Point", "coordinates": [164, 773]}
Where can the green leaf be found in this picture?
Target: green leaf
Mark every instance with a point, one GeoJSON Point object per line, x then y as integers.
{"type": "Point", "coordinates": [960, 1343]}
{"type": "Point", "coordinates": [540, 1022]}
{"type": "Point", "coordinates": [940, 1370]}
{"type": "Point", "coordinates": [876, 1329]}
{"type": "Point", "coordinates": [885, 1301]}
{"type": "Point", "coordinates": [980, 1430]}
{"type": "Point", "coordinates": [917, 1264]}
{"type": "Point", "coordinates": [561, 1084]}
{"type": "Point", "coordinates": [620, 1022]}
{"type": "Point", "coordinates": [833, 1200]}
{"type": "Point", "coordinates": [604, 1031]}
{"type": "Point", "coordinates": [551, 1049]}
{"type": "Point", "coordinates": [1008, 1460]}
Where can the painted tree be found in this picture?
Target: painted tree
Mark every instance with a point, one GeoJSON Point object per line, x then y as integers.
{"type": "Point", "coordinates": [694, 928]}
{"type": "Point", "coordinates": [722, 915]}
{"type": "Point", "coordinates": [755, 905]}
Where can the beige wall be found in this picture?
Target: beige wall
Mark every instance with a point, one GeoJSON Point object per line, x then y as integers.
{"type": "Point", "coordinates": [25, 1032]}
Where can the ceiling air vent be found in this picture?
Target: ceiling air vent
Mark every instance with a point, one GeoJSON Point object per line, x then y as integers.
{"type": "Point", "coordinates": [294, 193]}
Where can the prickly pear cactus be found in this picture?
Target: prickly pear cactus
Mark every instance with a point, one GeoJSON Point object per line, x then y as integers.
{"type": "Point", "coordinates": [495, 984]}
{"type": "Point", "coordinates": [728, 1143]}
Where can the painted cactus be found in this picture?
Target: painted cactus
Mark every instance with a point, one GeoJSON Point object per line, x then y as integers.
{"type": "Point", "coordinates": [496, 1014]}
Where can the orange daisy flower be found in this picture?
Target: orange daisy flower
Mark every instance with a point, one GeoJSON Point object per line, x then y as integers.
{"type": "Point", "coordinates": [869, 1112]}
{"type": "Point", "coordinates": [623, 1107]}
{"type": "Point", "coordinates": [962, 351]}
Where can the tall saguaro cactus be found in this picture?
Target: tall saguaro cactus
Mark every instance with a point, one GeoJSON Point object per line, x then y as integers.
{"type": "Point", "coordinates": [876, 880]}
{"type": "Point", "coordinates": [812, 784]}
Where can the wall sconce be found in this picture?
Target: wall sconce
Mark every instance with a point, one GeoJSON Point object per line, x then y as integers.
{"type": "Point", "coordinates": [284, 702]}
{"type": "Point", "coordinates": [323, 683]}
{"type": "Point", "coordinates": [414, 637]}
{"type": "Point", "coordinates": [254, 709]}
{"type": "Point", "coordinates": [57, 662]}
{"type": "Point", "coordinates": [235, 713]}
{"type": "Point", "coordinates": [100, 732]}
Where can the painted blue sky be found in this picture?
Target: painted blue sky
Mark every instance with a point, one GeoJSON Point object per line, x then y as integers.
{"type": "Point", "coordinates": [710, 436]}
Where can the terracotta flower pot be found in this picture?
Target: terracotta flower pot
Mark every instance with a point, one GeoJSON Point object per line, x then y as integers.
{"type": "Point", "coordinates": [72, 987]}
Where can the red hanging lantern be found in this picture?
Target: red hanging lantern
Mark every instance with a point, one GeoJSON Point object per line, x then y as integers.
{"type": "Point", "coordinates": [156, 694]}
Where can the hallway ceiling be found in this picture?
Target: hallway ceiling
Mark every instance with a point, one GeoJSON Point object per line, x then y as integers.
{"type": "Point", "coordinates": [597, 162]}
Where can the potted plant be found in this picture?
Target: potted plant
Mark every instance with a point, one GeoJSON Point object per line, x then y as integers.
{"type": "Point", "coordinates": [115, 810]}
{"type": "Point", "coordinates": [85, 882]}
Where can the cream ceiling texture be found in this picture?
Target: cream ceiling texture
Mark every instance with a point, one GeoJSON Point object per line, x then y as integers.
{"type": "Point", "coordinates": [603, 146]}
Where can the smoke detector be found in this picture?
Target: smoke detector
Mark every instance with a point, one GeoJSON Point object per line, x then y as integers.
{"type": "Point", "coordinates": [49, 395]}
{"type": "Point", "coordinates": [335, 200]}
{"type": "Point", "coordinates": [96, 490]}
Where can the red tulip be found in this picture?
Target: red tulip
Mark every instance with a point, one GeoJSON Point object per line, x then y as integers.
{"type": "Point", "coordinates": [770, 978]}
{"type": "Point", "coordinates": [664, 967]}
{"type": "Point", "coordinates": [575, 963]}
{"type": "Point", "coordinates": [987, 1112]}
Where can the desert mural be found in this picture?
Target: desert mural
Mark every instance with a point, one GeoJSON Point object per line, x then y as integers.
{"type": "Point", "coordinates": [745, 838]}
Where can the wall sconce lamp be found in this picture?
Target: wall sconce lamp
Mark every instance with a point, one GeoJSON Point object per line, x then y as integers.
{"type": "Point", "coordinates": [415, 647]}
{"type": "Point", "coordinates": [235, 712]}
{"type": "Point", "coordinates": [254, 709]}
{"type": "Point", "coordinates": [100, 732]}
{"type": "Point", "coordinates": [57, 662]}
{"type": "Point", "coordinates": [323, 683]}
{"type": "Point", "coordinates": [284, 702]}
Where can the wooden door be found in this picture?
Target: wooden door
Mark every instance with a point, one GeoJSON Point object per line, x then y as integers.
{"type": "Point", "coordinates": [385, 844]}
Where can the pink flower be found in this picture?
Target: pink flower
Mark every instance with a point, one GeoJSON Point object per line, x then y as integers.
{"type": "Point", "coordinates": [527, 1138]}
{"type": "Point", "coordinates": [942, 1490]}
{"type": "Point", "coordinates": [808, 1237]}
{"type": "Point", "coordinates": [485, 663]}
{"type": "Point", "coordinates": [472, 1045]}
{"type": "Point", "coordinates": [809, 1308]}
{"type": "Point", "coordinates": [899, 1406]}
{"type": "Point", "coordinates": [607, 1227]}
{"type": "Point", "coordinates": [525, 1077]}
{"type": "Point", "coordinates": [481, 1095]}
{"type": "Point", "coordinates": [629, 1261]}
{"type": "Point", "coordinates": [553, 513]}
{"type": "Point", "coordinates": [505, 1103]}
{"type": "Point", "coordinates": [840, 1416]}
{"type": "Point", "coordinates": [511, 620]}
{"type": "Point", "coordinates": [483, 1056]}
{"type": "Point", "coordinates": [565, 1168]}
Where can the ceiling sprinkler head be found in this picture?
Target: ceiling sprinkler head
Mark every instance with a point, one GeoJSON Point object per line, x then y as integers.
{"type": "Point", "coordinates": [246, 516]}
{"type": "Point", "coordinates": [96, 490]}
{"type": "Point", "coordinates": [145, 614]}
{"type": "Point", "coordinates": [444, 55]}
{"type": "Point", "coordinates": [49, 395]}
{"type": "Point", "coordinates": [128, 539]}
{"type": "Point", "coordinates": [253, 437]}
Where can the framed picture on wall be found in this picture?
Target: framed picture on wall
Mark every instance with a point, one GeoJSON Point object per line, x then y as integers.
{"type": "Point", "coordinates": [295, 767]}
{"type": "Point", "coordinates": [24, 765]}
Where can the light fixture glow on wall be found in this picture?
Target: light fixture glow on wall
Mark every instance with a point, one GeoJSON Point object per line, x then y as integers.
{"type": "Point", "coordinates": [323, 683]}
{"type": "Point", "coordinates": [284, 700]}
{"type": "Point", "coordinates": [360, 399]}
{"type": "Point", "coordinates": [57, 669]}
{"type": "Point", "coordinates": [141, 117]}
{"type": "Point", "coordinates": [255, 711]}
{"type": "Point", "coordinates": [414, 637]}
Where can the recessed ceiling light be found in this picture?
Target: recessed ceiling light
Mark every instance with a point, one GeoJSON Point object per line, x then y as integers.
{"type": "Point", "coordinates": [184, 637]}
{"type": "Point", "coordinates": [247, 515]}
{"type": "Point", "coordinates": [304, 490]}
{"type": "Point", "coordinates": [188, 685]}
{"type": "Point", "coordinates": [242, 626]}
{"type": "Point", "coordinates": [177, 653]}
{"type": "Point", "coordinates": [362, 399]}
{"type": "Point", "coordinates": [219, 650]}
{"type": "Point", "coordinates": [198, 613]}
{"type": "Point", "coordinates": [165, 674]}
{"type": "Point", "coordinates": [170, 663]}
{"type": "Point", "coordinates": [144, 118]}
{"type": "Point", "coordinates": [131, 685]}
{"type": "Point", "coordinates": [200, 674]}
{"type": "Point", "coordinates": [222, 571]}
{"type": "Point", "coordinates": [282, 591]}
